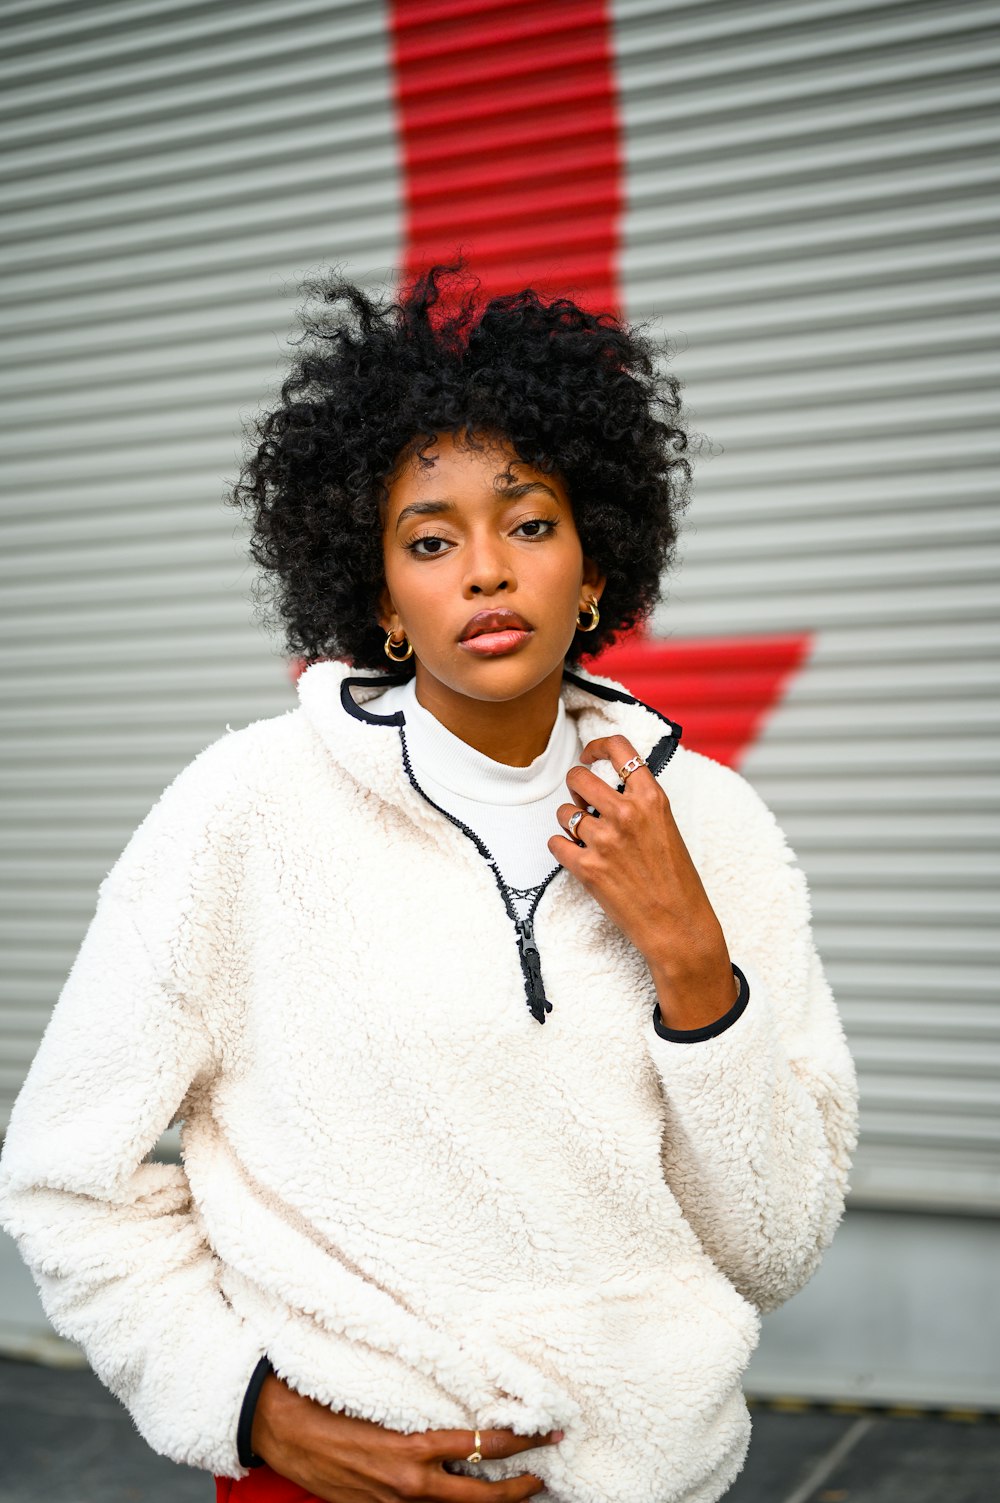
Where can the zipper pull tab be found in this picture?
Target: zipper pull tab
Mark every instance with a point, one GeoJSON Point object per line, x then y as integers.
{"type": "Point", "coordinates": [538, 1003]}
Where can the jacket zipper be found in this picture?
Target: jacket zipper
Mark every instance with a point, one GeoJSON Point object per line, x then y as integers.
{"type": "Point", "coordinates": [527, 949]}
{"type": "Point", "coordinates": [660, 755]}
{"type": "Point", "coordinates": [527, 946]}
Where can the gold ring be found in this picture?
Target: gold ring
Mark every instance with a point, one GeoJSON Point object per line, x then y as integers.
{"type": "Point", "coordinates": [477, 1454]}
{"type": "Point", "coordinates": [572, 823]}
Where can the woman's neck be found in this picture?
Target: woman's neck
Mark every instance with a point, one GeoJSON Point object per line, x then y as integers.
{"type": "Point", "coordinates": [514, 731]}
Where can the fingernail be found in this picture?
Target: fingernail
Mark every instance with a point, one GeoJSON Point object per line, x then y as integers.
{"type": "Point", "coordinates": [556, 1434]}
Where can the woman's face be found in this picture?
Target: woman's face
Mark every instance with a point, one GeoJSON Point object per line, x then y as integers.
{"type": "Point", "coordinates": [479, 530]}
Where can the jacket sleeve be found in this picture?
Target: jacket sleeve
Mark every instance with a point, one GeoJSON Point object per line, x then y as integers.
{"type": "Point", "coordinates": [114, 1242]}
{"type": "Point", "coordinates": [761, 1113]}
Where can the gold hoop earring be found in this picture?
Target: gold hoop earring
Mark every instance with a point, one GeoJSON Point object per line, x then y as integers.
{"type": "Point", "coordinates": [389, 644]}
{"type": "Point", "coordinates": [595, 615]}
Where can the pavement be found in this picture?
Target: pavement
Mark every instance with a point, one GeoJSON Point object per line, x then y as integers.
{"type": "Point", "coordinates": [65, 1439]}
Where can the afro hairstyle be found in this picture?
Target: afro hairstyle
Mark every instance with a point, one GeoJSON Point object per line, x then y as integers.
{"type": "Point", "coordinates": [375, 380]}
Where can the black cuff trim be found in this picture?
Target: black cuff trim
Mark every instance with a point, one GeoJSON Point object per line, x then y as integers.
{"type": "Point", "coordinates": [244, 1428]}
{"type": "Point", "coordinates": [709, 1031]}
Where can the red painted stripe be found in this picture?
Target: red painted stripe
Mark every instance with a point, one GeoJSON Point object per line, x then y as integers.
{"type": "Point", "coordinates": [722, 690]}
{"type": "Point", "coordinates": [512, 152]}
{"type": "Point", "coordinates": [510, 143]}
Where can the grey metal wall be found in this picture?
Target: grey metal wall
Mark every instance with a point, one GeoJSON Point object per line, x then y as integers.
{"type": "Point", "coordinates": [812, 213]}
{"type": "Point", "coordinates": [810, 210]}
{"type": "Point", "coordinates": [811, 202]}
{"type": "Point", "coordinates": [167, 173]}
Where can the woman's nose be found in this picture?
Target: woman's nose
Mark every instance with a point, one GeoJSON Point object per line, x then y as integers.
{"type": "Point", "coordinates": [481, 588]}
{"type": "Point", "coordinates": [488, 568]}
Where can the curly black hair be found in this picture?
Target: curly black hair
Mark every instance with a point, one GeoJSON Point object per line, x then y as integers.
{"type": "Point", "coordinates": [375, 381]}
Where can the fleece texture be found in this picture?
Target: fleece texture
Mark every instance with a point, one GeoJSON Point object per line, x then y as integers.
{"type": "Point", "coordinates": [427, 1208]}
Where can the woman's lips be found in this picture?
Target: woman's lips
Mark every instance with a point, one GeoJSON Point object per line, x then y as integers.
{"type": "Point", "coordinates": [490, 643]}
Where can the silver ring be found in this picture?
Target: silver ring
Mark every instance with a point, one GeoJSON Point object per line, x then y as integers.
{"type": "Point", "coordinates": [572, 823]}
{"type": "Point", "coordinates": [632, 765]}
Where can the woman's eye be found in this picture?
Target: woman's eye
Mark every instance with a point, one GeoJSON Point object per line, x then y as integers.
{"type": "Point", "coordinates": [539, 522]}
{"type": "Point", "coordinates": [412, 547]}
{"type": "Point", "coordinates": [436, 551]}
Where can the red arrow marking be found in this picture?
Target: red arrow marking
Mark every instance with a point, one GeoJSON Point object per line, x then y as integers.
{"type": "Point", "coordinates": [510, 143]}
{"type": "Point", "coordinates": [722, 690]}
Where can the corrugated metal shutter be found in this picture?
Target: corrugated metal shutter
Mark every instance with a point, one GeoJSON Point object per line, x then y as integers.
{"type": "Point", "coordinates": [811, 194]}
{"type": "Point", "coordinates": [169, 173]}
{"type": "Point", "coordinates": [809, 208]}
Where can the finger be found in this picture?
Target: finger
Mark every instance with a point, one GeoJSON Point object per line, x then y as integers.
{"type": "Point", "coordinates": [452, 1487]}
{"type": "Point", "coordinates": [457, 1445]}
{"type": "Point", "coordinates": [587, 788]}
{"type": "Point", "coordinates": [449, 1488]}
{"type": "Point", "coordinates": [580, 802]}
{"type": "Point", "coordinates": [618, 750]}
{"type": "Point", "coordinates": [579, 860]}
{"type": "Point", "coordinates": [565, 812]}
{"type": "Point", "coordinates": [567, 851]}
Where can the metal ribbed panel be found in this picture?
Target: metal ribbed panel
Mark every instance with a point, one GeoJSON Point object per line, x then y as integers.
{"type": "Point", "coordinates": [169, 174]}
{"type": "Point", "coordinates": [812, 214]}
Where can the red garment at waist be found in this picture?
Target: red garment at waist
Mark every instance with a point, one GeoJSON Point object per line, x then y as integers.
{"type": "Point", "coordinates": [260, 1486]}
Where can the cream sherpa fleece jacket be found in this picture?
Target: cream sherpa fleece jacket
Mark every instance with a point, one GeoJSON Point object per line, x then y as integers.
{"type": "Point", "coordinates": [426, 1209]}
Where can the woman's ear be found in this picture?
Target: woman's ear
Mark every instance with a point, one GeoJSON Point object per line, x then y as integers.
{"type": "Point", "coordinates": [593, 578]}
{"type": "Point", "coordinates": [386, 609]}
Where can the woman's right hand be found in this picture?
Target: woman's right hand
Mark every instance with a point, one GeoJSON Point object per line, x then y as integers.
{"type": "Point", "coordinates": [341, 1459]}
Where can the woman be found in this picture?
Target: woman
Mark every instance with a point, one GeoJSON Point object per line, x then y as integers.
{"type": "Point", "coordinates": [420, 1246]}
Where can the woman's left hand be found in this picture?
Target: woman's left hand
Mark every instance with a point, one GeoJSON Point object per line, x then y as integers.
{"type": "Point", "coordinates": [635, 863]}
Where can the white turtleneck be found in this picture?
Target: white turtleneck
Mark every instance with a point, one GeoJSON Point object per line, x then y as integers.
{"type": "Point", "coordinates": [511, 809]}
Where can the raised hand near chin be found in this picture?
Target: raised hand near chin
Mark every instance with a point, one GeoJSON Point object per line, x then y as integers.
{"type": "Point", "coordinates": [631, 857]}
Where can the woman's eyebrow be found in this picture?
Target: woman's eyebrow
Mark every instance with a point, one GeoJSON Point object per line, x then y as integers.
{"type": "Point", "coordinates": [503, 493]}
{"type": "Point", "coordinates": [513, 492]}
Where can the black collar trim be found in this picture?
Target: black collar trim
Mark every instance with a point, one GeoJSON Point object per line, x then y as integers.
{"type": "Point", "coordinates": [602, 691]}
{"type": "Point", "coordinates": [350, 704]}
{"type": "Point", "coordinates": [664, 749]}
